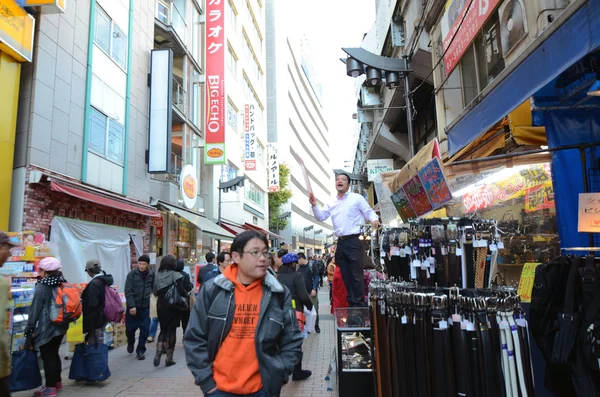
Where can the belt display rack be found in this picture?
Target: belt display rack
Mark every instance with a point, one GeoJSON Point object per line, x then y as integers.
{"type": "Point", "coordinates": [449, 341]}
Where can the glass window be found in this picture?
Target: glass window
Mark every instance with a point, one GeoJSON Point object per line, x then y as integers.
{"type": "Point", "coordinates": [231, 62]}
{"type": "Point", "coordinates": [102, 31]}
{"type": "Point", "coordinates": [116, 134]}
{"type": "Point", "coordinates": [260, 153]}
{"type": "Point", "coordinates": [119, 46]}
{"type": "Point", "coordinates": [232, 115]}
{"type": "Point", "coordinates": [489, 52]}
{"type": "Point", "coordinates": [469, 76]}
{"type": "Point", "coordinates": [231, 14]}
{"type": "Point", "coordinates": [196, 99]}
{"type": "Point", "coordinates": [97, 132]}
{"type": "Point", "coordinates": [253, 193]}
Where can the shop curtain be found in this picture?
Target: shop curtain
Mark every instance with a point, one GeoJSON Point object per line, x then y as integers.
{"type": "Point", "coordinates": [569, 128]}
{"type": "Point", "coordinates": [78, 241]}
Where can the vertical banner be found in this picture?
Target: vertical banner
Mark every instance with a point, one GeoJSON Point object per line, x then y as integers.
{"type": "Point", "coordinates": [215, 84]}
{"type": "Point", "coordinates": [273, 166]}
{"type": "Point", "coordinates": [249, 138]}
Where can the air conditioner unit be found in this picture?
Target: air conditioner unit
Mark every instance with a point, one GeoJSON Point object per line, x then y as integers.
{"type": "Point", "coordinates": [513, 24]}
{"type": "Point", "coordinates": [548, 11]}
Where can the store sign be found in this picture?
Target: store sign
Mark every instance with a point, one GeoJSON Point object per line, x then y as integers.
{"type": "Point", "coordinates": [158, 224]}
{"type": "Point", "coordinates": [433, 180]}
{"type": "Point", "coordinates": [215, 84]}
{"type": "Point", "coordinates": [375, 167]}
{"type": "Point", "coordinates": [526, 281]}
{"type": "Point", "coordinates": [507, 189]}
{"type": "Point", "coordinates": [589, 213]}
{"type": "Point", "coordinates": [273, 168]}
{"type": "Point", "coordinates": [539, 198]}
{"type": "Point", "coordinates": [16, 31]}
{"type": "Point", "coordinates": [417, 196]}
{"type": "Point", "coordinates": [48, 6]}
{"type": "Point", "coordinates": [403, 206]}
{"type": "Point", "coordinates": [462, 21]}
{"type": "Point", "coordinates": [249, 138]}
{"type": "Point", "coordinates": [189, 186]}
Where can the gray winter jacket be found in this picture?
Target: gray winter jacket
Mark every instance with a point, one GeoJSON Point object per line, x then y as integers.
{"type": "Point", "coordinates": [138, 289]}
{"type": "Point", "coordinates": [39, 324]}
{"type": "Point", "coordinates": [278, 338]}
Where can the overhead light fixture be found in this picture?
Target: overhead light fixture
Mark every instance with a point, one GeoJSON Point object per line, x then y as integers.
{"type": "Point", "coordinates": [392, 79]}
{"type": "Point", "coordinates": [595, 88]}
{"type": "Point", "coordinates": [373, 76]}
{"type": "Point", "coordinates": [353, 67]}
{"type": "Point", "coordinates": [201, 210]}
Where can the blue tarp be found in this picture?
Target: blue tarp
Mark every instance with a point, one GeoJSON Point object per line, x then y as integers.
{"type": "Point", "coordinates": [577, 37]}
{"type": "Point", "coordinates": [571, 127]}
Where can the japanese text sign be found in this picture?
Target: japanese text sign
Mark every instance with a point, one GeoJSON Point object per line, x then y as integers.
{"type": "Point", "coordinates": [273, 168]}
{"type": "Point", "coordinates": [249, 138]}
{"type": "Point", "coordinates": [526, 282]}
{"type": "Point", "coordinates": [16, 31]}
{"type": "Point", "coordinates": [539, 197]}
{"type": "Point", "coordinates": [433, 180]}
{"type": "Point", "coordinates": [417, 196]}
{"type": "Point", "coordinates": [465, 19]}
{"type": "Point", "coordinates": [215, 84]}
{"type": "Point", "coordinates": [589, 213]}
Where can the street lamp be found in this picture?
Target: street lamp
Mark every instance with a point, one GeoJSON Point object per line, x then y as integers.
{"type": "Point", "coordinates": [227, 186]}
{"type": "Point", "coordinates": [315, 232]}
{"type": "Point", "coordinates": [306, 229]}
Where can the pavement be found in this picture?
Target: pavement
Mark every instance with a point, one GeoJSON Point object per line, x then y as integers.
{"type": "Point", "coordinates": [133, 378]}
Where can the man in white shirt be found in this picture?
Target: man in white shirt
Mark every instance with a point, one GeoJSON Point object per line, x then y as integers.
{"type": "Point", "coordinates": [347, 211]}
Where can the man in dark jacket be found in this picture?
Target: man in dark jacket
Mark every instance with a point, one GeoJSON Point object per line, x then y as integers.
{"type": "Point", "coordinates": [138, 288]}
{"type": "Point", "coordinates": [223, 260]}
{"type": "Point", "coordinates": [311, 278]}
{"type": "Point", "coordinates": [209, 267]}
{"type": "Point", "coordinates": [92, 301]}
{"type": "Point", "coordinates": [256, 353]}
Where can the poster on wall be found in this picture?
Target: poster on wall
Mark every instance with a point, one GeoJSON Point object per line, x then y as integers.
{"type": "Point", "coordinates": [589, 213]}
{"type": "Point", "coordinates": [273, 166]}
{"type": "Point", "coordinates": [249, 138]}
{"type": "Point", "coordinates": [434, 182]}
{"type": "Point", "coordinates": [417, 196]}
{"type": "Point", "coordinates": [215, 83]}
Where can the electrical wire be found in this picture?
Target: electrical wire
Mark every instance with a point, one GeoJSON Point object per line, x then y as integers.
{"type": "Point", "coordinates": [445, 51]}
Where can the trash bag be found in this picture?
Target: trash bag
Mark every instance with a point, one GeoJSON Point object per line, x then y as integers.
{"type": "Point", "coordinates": [25, 371]}
{"type": "Point", "coordinates": [90, 363]}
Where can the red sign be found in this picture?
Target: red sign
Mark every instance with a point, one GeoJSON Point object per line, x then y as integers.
{"type": "Point", "coordinates": [477, 13]}
{"type": "Point", "coordinates": [158, 224]}
{"type": "Point", "coordinates": [215, 84]}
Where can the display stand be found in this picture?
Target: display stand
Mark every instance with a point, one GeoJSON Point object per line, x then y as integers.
{"type": "Point", "coordinates": [354, 359]}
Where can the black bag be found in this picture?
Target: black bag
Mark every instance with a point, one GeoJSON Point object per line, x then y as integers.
{"type": "Point", "coordinates": [25, 373]}
{"type": "Point", "coordinates": [174, 298]}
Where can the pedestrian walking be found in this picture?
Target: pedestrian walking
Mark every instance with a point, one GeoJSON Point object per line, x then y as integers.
{"type": "Point", "coordinates": [5, 363]}
{"type": "Point", "coordinates": [295, 283]}
{"type": "Point", "coordinates": [348, 211]}
{"type": "Point", "coordinates": [223, 261]}
{"type": "Point", "coordinates": [93, 302]}
{"type": "Point", "coordinates": [243, 338]}
{"type": "Point", "coordinates": [188, 286]}
{"type": "Point", "coordinates": [168, 317]}
{"type": "Point", "coordinates": [41, 331]}
{"type": "Point", "coordinates": [311, 278]}
{"type": "Point", "coordinates": [138, 290]}
{"type": "Point", "coordinates": [209, 267]}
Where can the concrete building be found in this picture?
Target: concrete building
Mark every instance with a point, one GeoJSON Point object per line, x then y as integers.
{"type": "Point", "coordinates": [297, 122]}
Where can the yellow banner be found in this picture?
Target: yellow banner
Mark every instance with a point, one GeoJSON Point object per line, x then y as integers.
{"type": "Point", "coordinates": [49, 6]}
{"type": "Point", "coordinates": [16, 31]}
{"type": "Point", "coordinates": [526, 281]}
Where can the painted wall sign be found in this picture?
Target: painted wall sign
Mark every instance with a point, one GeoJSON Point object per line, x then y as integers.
{"type": "Point", "coordinates": [417, 196]}
{"type": "Point", "coordinates": [215, 83]}
{"type": "Point", "coordinates": [16, 31]}
{"type": "Point", "coordinates": [249, 138]}
{"type": "Point", "coordinates": [375, 167]}
{"type": "Point", "coordinates": [273, 168]}
{"type": "Point", "coordinates": [434, 182]}
{"type": "Point", "coordinates": [475, 14]}
{"type": "Point", "coordinates": [189, 186]}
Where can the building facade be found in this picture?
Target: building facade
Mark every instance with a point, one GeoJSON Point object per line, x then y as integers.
{"type": "Point", "coordinates": [297, 123]}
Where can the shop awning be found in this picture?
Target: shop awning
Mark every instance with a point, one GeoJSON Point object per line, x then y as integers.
{"type": "Point", "coordinates": [202, 223]}
{"type": "Point", "coordinates": [86, 195]}
{"type": "Point", "coordinates": [267, 233]}
{"type": "Point", "coordinates": [555, 50]}
{"type": "Point", "coordinates": [233, 229]}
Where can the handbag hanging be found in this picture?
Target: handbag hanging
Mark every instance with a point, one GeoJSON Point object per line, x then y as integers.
{"type": "Point", "coordinates": [25, 373]}
{"type": "Point", "coordinates": [90, 363]}
{"type": "Point", "coordinates": [174, 298]}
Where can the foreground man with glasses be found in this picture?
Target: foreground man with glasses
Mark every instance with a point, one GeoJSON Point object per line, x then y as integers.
{"type": "Point", "coordinates": [243, 338]}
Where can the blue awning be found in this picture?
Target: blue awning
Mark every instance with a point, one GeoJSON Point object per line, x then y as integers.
{"type": "Point", "coordinates": [575, 38]}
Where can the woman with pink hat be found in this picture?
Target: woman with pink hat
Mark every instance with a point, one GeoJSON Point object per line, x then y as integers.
{"type": "Point", "coordinates": [41, 331]}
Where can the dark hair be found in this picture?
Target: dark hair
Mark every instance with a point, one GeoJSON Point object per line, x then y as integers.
{"type": "Point", "coordinates": [343, 173]}
{"type": "Point", "coordinates": [210, 257]}
{"type": "Point", "coordinates": [180, 265]}
{"type": "Point", "coordinates": [241, 240]}
{"type": "Point", "coordinates": [281, 253]}
{"type": "Point", "coordinates": [54, 273]}
{"type": "Point", "coordinates": [168, 262]}
{"type": "Point", "coordinates": [272, 260]}
{"type": "Point", "coordinates": [301, 255]}
{"type": "Point", "coordinates": [221, 256]}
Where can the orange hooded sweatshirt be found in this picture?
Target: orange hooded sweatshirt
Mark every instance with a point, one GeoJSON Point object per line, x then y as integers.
{"type": "Point", "coordinates": [235, 368]}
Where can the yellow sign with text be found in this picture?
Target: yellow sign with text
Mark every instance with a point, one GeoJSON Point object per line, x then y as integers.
{"type": "Point", "coordinates": [49, 6]}
{"type": "Point", "coordinates": [16, 31]}
{"type": "Point", "coordinates": [526, 281]}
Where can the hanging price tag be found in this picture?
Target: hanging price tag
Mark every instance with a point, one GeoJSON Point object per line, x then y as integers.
{"type": "Point", "coordinates": [404, 320]}
{"type": "Point", "coordinates": [500, 245]}
{"type": "Point", "coordinates": [443, 324]}
{"type": "Point", "coordinates": [459, 252]}
{"type": "Point", "coordinates": [413, 273]}
{"type": "Point", "coordinates": [504, 324]}
{"type": "Point", "coordinates": [416, 263]}
{"type": "Point", "coordinates": [444, 251]}
{"type": "Point", "coordinates": [433, 251]}
{"type": "Point", "coordinates": [395, 251]}
{"type": "Point", "coordinates": [456, 318]}
{"type": "Point", "coordinates": [402, 253]}
{"type": "Point", "coordinates": [431, 265]}
{"type": "Point", "coordinates": [483, 243]}
{"type": "Point", "coordinates": [470, 326]}
{"type": "Point", "coordinates": [493, 247]}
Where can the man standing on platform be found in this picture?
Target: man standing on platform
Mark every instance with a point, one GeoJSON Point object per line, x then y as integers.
{"type": "Point", "coordinates": [347, 211]}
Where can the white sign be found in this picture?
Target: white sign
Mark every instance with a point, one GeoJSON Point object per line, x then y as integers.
{"type": "Point", "coordinates": [375, 167]}
{"type": "Point", "coordinates": [189, 186]}
{"type": "Point", "coordinates": [589, 213]}
{"type": "Point", "coordinates": [249, 138]}
{"type": "Point", "coordinates": [273, 168]}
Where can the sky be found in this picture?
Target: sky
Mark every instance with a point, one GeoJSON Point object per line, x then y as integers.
{"type": "Point", "coordinates": [330, 25]}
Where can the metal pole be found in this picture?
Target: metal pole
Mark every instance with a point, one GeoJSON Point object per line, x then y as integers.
{"type": "Point", "coordinates": [586, 186]}
{"type": "Point", "coordinates": [304, 239]}
{"type": "Point", "coordinates": [219, 217]}
{"type": "Point", "coordinates": [409, 114]}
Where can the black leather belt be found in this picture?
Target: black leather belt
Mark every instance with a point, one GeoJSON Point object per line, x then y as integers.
{"type": "Point", "coordinates": [487, 354]}
{"type": "Point", "coordinates": [348, 237]}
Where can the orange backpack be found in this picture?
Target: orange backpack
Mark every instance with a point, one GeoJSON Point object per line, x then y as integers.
{"type": "Point", "coordinates": [66, 304]}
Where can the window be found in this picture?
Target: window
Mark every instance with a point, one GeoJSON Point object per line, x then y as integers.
{"type": "Point", "coordinates": [228, 172]}
{"type": "Point", "coordinates": [260, 153]}
{"type": "Point", "coordinates": [253, 193]}
{"type": "Point", "coordinates": [231, 62]}
{"type": "Point", "coordinates": [111, 39]}
{"type": "Point", "coordinates": [232, 115]}
{"type": "Point", "coordinates": [231, 14]}
{"type": "Point", "coordinates": [106, 137]}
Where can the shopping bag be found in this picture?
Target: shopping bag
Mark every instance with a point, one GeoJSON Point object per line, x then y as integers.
{"type": "Point", "coordinates": [311, 319]}
{"type": "Point", "coordinates": [90, 363]}
{"type": "Point", "coordinates": [25, 371]}
{"type": "Point", "coordinates": [75, 331]}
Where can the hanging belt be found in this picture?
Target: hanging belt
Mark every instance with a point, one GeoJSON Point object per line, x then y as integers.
{"type": "Point", "coordinates": [454, 268]}
{"type": "Point", "coordinates": [393, 349]}
{"type": "Point", "coordinates": [475, 363]}
{"type": "Point", "coordinates": [487, 354]}
{"type": "Point", "coordinates": [375, 348]}
{"type": "Point", "coordinates": [459, 348]}
{"type": "Point", "coordinates": [384, 357]}
{"type": "Point", "coordinates": [468, 254]}
{"type": "Point", "coordinates": [409, 347]}
{"type": "Point", "coordinates": [492, 307]}
{"type": "Point", "coordinates": [421, 357]}
{"type": "Point", "coordinates": [401, 374]}
{"type": "Point", "coordinates": [441, 347]}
